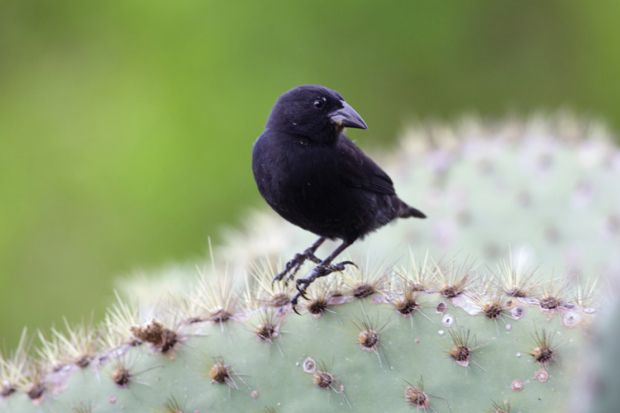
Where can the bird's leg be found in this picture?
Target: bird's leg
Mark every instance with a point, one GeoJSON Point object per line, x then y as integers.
{"type": "Point", "coordinates": [291, 267]}
{"type": "Point", "coordinates": [324, 268]}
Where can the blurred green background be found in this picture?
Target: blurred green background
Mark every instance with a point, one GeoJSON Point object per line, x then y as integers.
{"type": "Point", "coordinates": [126, 126]}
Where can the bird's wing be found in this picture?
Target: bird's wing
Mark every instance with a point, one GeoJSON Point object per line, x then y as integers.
{"type": "Point", "coordinates": [359, 171]}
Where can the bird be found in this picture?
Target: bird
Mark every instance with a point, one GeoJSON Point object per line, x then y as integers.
{"type": "Point", "coordinates": [316, 178]}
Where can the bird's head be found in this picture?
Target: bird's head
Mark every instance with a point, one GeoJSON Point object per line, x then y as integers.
{"type": "Point", "coordinates": [315, 112]}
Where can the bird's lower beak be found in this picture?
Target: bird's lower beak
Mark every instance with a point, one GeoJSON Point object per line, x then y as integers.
{"type": "Point", "coordinates": [346, 116]}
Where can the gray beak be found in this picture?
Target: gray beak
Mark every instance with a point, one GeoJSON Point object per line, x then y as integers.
{"type": "Point", "coordinates": [346, 116]}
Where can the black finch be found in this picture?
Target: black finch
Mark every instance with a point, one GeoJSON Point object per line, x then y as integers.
{"type": "Point", "coordinates": [315, 177]}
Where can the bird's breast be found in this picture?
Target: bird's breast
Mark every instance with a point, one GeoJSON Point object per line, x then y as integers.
{"type": "Point", "coordinates": [293, 170]}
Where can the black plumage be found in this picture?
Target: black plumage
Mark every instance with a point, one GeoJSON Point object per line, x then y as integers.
{"type": "Point", "coordinates": [315, 177]}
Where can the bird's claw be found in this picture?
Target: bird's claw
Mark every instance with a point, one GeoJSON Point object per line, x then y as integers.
{"type": "Point", "coordinates": [292, 267]}
{"type": "Point", "coordinates": [287, 268]}
{"type": "Point", "coordinates": [302, 284]}
{"type": "Point", "coordinates": [323, 270]}
{"type": "Point", "coordinates": [295, 299]}
{"type": "Point", "coordinates": [341, 266]}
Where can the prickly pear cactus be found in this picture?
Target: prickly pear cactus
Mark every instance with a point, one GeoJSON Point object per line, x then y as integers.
{"type": "Point", "coordinates": [479, 332]}
{"type": "Point", "coordinates": [425, 340]}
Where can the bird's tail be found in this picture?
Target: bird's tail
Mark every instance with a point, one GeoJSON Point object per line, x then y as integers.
{"type": "Point", "coordinates": [406, 211]}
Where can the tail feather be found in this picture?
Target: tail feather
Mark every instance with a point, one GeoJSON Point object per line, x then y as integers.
{"type": "Point", "coordinates": [406, 211]}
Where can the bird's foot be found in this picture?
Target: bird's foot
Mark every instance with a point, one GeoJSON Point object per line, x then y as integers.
{"type": "Point", "coordinates": [301, 285]}
{"type": "Point", "coordinates": [292, 267]}
{"type": "Point", "coordinates": [339, 266]}
{"type": "Point", "coordinates": [319, 271]}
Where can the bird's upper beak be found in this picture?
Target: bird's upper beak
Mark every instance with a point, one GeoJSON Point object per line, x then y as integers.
{"type": "Point", "coordinates": [346, 116]}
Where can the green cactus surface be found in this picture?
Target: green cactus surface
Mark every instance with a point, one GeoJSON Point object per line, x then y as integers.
{"type": "Point", "coordinates": [602, 380]}
{"type": "Point", "coordinates": [365, 347]}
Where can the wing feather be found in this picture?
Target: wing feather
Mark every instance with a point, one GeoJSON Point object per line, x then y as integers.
{"type": "Point", "coordinates": [359, 171]}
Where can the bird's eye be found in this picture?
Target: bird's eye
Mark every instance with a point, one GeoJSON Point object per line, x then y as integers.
{"type": "Point", "coordinates": [318, 103]}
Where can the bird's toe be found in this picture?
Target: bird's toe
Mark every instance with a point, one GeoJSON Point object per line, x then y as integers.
{"type": "Point", "coordinates": [341, 266]}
